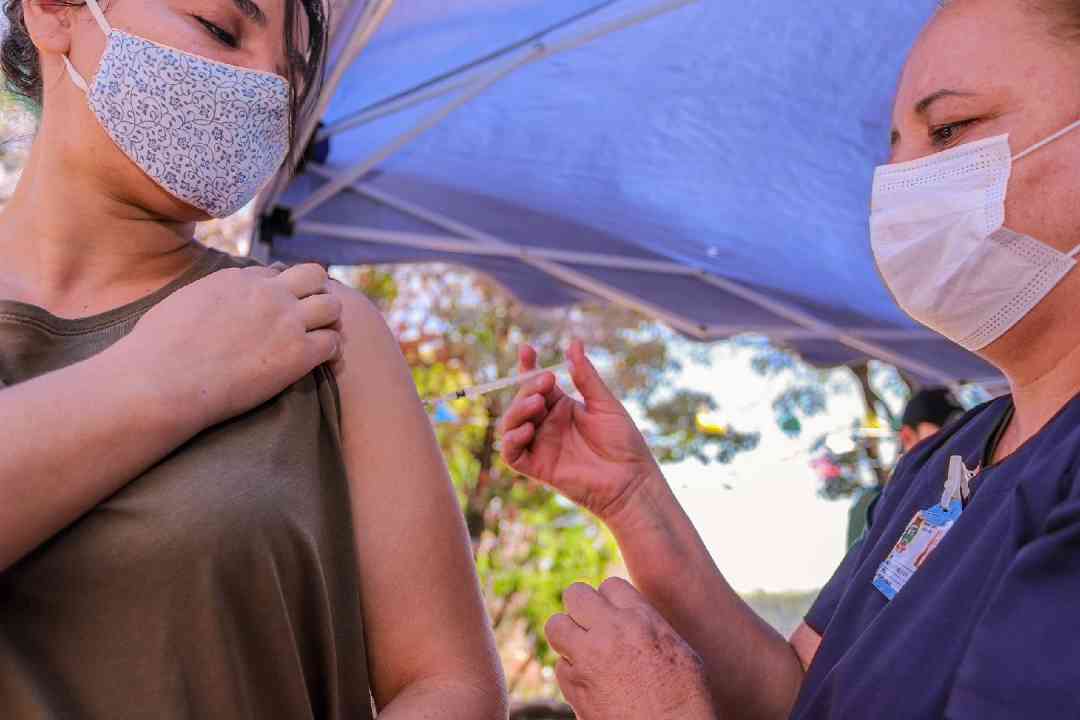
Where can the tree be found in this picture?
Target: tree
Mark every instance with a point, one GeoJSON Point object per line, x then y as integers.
{"type": "Point", "coordinates": [861, 456]}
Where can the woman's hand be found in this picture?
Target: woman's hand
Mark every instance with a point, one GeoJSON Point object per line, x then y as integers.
{"type": "Point", "coordinates": [622, 661]}
{"type": "Point", "coordinates": [232, 340]}
{"type": "Point", "coordinates": [590, 452]}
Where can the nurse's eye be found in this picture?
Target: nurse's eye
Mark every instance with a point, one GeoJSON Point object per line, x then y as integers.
{"type": "Point", "coordinates": [944, 135]}
{"type": "Point", "coordinates": [223, 36]}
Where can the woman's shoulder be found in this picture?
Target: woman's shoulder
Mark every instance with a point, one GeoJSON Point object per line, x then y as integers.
{"type": "Point", "coordinates": [370, 357]}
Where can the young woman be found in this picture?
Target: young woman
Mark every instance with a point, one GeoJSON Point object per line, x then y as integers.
{"type": "Point", "coordinates": [219, 494]}
{"type": "Point", "coordinates": [976, 230]}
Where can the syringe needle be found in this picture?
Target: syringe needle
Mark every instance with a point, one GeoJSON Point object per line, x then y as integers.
{"type": "Point", "coordinates": [485, 388]}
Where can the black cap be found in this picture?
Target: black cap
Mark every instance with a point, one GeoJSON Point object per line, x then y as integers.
{"type": "Point", "coordinates": [934, 405]}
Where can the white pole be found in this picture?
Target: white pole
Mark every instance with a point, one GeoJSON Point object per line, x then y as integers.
{"type": "Point", "coordinates": [351, 175]}
{"type": "Point", "coordinates": [804, 319]}
{"type": "Point", "coordinates": [363, 31]}
{"type": "Point", "coordinates": [792, 314]}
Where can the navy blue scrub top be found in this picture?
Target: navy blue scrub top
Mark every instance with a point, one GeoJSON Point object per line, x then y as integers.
{"type": "Point", "coordinates": [989, 626]}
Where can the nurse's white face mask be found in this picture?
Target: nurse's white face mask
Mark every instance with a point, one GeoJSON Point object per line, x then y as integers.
{"type": "Point", "coordinates": [938, 236]}
{"type": "Point", "coordinates": [209, 133]}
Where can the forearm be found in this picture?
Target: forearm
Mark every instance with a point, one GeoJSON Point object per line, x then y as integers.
{"type": "Point", "coordinates": [447, 699]}
{"type": "Point", "coordinates": [72, 438]}
{"type": "Point", "coordinates": [753, 671]}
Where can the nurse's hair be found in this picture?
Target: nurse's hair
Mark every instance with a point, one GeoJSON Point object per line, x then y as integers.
{"type": "Point", "coordinates": [306, 31]}
{"type": "Point", "coordinates": [1063, 15]}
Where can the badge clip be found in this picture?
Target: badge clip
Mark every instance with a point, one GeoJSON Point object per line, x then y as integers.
{"type": "Point", "coordinates": [958, 482]}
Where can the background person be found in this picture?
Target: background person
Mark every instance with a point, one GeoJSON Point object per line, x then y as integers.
{"type": "Point", "coordinates": [928, 410]}
{"type": "Point", "coordinates": [976, 229]}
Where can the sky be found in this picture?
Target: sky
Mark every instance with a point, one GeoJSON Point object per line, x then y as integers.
{"type": "Point", "coordinates": [770, 531]}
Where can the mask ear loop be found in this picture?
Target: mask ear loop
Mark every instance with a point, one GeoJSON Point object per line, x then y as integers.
{"type": "Point", "coordinates": [99, 17]}
{"type": "Point", "coordinates": [1033, 148]}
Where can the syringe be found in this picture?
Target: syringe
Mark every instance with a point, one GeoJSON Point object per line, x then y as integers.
{"type": "Point", "coordinates": [484, 389]}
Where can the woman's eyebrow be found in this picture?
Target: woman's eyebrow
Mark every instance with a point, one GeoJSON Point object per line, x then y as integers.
{"type": "Point", "coordinates": [252, 11]}
{"type": "Point", "coordinates": [923, 106]}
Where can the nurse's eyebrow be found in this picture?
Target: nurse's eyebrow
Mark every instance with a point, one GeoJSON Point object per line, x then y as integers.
{"type": "Point", "coordinates": [923, 106]}
{"type": "Point", "coordinates": [252, 11]}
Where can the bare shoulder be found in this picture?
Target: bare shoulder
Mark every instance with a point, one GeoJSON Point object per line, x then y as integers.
{"type": "Point", "coordinates": [370, 361]}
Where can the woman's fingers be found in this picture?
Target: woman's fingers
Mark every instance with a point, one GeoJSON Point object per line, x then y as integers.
{"type": "Point", "coordinates": [320, 311]}
{"type": "Point", "coordinates": [321, 346]}
{"type": "Point", "coordinates": [305, 280]}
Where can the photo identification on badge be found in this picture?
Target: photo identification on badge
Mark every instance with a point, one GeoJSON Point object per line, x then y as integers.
{"type": "Point", "coordinates": [925, 532]}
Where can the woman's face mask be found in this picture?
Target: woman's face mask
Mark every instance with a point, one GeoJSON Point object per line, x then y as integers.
{"type": "Point", "coordinates": [938, 236]}
{"type": "Point", "coordinates": [209, 133]}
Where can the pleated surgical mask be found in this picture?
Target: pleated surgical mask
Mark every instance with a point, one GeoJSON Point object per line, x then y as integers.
{"type": "Point", "coordinates": [209, 133]}
{"type": "Point", "coordinates": [938, 236]}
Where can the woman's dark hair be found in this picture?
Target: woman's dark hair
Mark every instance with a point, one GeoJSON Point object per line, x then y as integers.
{"type": "Point", "coordinates": [305, 50]}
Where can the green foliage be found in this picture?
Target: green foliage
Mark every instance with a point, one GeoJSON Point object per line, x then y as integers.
{"type": "Point", "coordinates": [679, 435]}
{"type": "Point", "coordinates": [859, 462]}
{"type": "Point", "coordinates": [456, 329]}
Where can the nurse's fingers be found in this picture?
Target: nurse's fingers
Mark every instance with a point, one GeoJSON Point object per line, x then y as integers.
{"type": "Point", "coordinates": [586, 606]}
{"type": "Point", "coordinates": [525, 409]}
{"type": "Point", "coordinates": [514, 447]}
{"type": "Point", "coordinates": [564, 635]}
{"type": "Point", "coordinates": [621, 594]}
{"type": "Point", "coordinates": [526, 358]}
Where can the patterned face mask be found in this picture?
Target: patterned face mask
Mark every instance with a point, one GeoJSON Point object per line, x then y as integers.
{"type": "Point", "coordinates": [209, 133]}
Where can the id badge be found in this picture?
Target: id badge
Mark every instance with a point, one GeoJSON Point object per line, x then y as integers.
{"type": "Point", "coordinates": [919, 540]}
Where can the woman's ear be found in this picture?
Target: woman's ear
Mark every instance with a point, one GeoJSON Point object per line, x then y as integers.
{"type": "Point", "coordinates": [49, 25]}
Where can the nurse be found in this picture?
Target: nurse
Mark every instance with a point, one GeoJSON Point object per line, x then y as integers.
{"type": "Point", "coordinates": [961, 602]}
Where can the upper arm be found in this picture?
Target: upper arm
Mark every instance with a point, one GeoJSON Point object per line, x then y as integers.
{"type": "Point", "coordinates": [805, 641]}
{"type": "Point", "coordinates": [423, 612]}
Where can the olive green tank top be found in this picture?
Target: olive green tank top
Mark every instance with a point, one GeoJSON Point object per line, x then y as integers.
{"type": "Point", "coordinates": [222, 583]}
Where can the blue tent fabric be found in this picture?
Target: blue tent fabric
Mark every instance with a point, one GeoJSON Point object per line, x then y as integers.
{"type": "Point", "coordinates": [734, 139]}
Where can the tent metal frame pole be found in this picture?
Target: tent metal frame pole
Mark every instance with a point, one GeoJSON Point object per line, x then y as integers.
{"type": "Point", "coordinates": [392, 108]}
{"type": "Point", "coordinates": [808, 321]}
{"type": "Point", "coordinates": [457, 246]}
{"type": "Point", "coordinates": [360, 35]}
{"type": "Point", "coordinates": [357, 171]}
{"type": "Point", "coordinates": [426, 87]}
{"type": "Point", "coordinates": [539, 51]}
{"type": "Point", "coordinates": [795, 334]}
{"type": "Point", "coordinates": [794, 315]}
{"type": "Point", "coordinates": [571, 277]}
{"type": "Point", "coordinates": [435, 89]}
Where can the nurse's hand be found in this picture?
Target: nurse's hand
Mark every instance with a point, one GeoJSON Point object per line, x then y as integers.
{"type": "Point", "coordinates": [622, 661]}
{"type": "Point", "coordinates": [590, 452]}
{"type": "Point", "coordinates": [234, 339]}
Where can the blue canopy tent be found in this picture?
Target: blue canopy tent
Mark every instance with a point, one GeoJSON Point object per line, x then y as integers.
{"type": "Point", "coordinates": [707, 163]}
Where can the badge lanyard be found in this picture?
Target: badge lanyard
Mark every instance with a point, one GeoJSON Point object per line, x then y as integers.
{"type": "Point", "coordinates": [925, 531]}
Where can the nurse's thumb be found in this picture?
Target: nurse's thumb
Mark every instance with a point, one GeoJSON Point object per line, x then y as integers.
{"type": "Point", "coordinates": [597, 395]}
